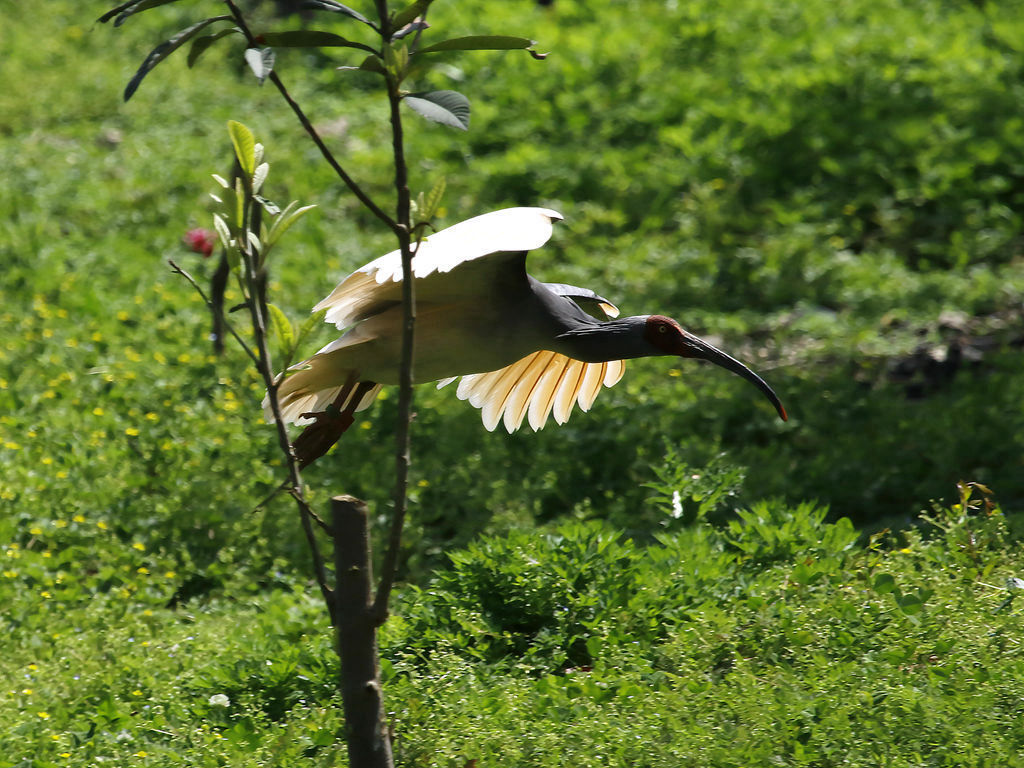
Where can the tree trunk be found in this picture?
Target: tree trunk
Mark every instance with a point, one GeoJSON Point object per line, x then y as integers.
{"type": "Point", "coordinates": [369, 745]}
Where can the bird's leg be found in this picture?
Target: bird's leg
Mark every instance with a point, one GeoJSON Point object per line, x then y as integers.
{"type": "Point", "coordinates": [330, 424]}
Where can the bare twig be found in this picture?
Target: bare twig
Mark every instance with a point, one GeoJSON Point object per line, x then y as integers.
{"type": "Point", "coordinates": [308, 126]}
{"type": "Point", "coordinates": [202, 294]}
{"type": "Point", "coordinates": [405, 394]}
{"type": "Point", "coordinates": [255, 283]}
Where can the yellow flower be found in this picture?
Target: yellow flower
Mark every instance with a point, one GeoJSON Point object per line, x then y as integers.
{"type": "Point", "coordinates": [143, 570]}
{"type": "Point", "coordinates": [43, 715]}
{"type": "Point", "coordinates": [33, 667]}
{"type": "Point", "coordinates": [101, 525]}
{"type": "Point", "coordinates": [132, 432]}
{"type": "Point", "coordinates": [36, 531]}
{"type": "Point", "coordinates": [97, 411]}
{"type": "Point", "coordinates": [27, 691]}
{"type": "Point", "coordinates": [78, 518]}
{"type": "Point", "coordinates": [45, 595]}
{"type": "Point", "coordinates": [139, 546]}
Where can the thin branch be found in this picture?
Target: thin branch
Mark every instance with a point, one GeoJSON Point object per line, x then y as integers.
{"type": "Point", "coordinates": [257, 303]}
{"type": "Point", "coordinates": [178, 270]}
{"type": "Point", "coordinates": [285, 486]}
{"type": "Point", "coordinates": [405, 393]}
{"type": "Point", "coordinates": [262, 362]}
{"type": "Point", "coordinates": [328, 155]}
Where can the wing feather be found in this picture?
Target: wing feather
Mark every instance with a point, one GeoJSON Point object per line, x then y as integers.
{"type": "Point", "coordinates": [614, 372]}
{"type": "Point", "coordinates": [591, 385]}
{"type": "Point", "coordinates": [518, 401]}
{"type": "Point", "coordinates": [489, 391]}
{"type": "Point", "coordinates": [536, 385]}
{"type": "Point", "coordinates": [508, 230]}
{"type": "Point", "coordinates": [544, 398]}
{"type": "Point", "coordinates": [568, 389]}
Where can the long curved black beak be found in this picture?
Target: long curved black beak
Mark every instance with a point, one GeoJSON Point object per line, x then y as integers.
{"type": "Point", "coordinates": [697, 347]}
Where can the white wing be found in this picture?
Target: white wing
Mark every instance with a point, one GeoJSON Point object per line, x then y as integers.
{"type": "Point", "coordinates": [535, 386]}
{"type": "Point", "coordinates": [508, 230]}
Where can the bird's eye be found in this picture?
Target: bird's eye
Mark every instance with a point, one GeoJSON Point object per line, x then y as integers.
{"type": "Point", "coordinates": [662, 328]}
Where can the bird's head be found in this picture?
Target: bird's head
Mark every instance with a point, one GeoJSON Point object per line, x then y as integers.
{"type": "Point", "coordinates": [669, 338]}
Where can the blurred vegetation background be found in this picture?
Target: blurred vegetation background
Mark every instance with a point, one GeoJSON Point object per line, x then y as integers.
{"type": "Point", "coordinates": [833, 193]}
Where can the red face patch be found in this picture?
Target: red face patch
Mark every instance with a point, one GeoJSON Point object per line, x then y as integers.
{"type": "Point", "coordinates": [664, 333]}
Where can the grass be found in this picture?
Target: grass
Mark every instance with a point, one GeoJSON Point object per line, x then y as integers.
{"type": "Point", "coordinates": [830, 194]}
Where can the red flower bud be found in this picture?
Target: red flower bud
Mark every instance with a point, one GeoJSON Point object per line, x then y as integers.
{"type": "Point", "coordinates": [200, 240]}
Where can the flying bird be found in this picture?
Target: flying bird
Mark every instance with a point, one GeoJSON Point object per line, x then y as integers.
{"type": "Point", "coordinates": [523, 349]}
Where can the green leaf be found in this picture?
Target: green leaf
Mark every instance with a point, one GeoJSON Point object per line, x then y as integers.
{"type": "Point", "coordinates": [164, 50]}
{"type": "Point", "coordinates": [309, 38]}
{"type": "Point", "coordinates": [254, 241]}
{"type": "Point", "coordinates": [124, 10]}
{"type": "Point", "coordinates": [116, 10]}
{"type": "Point", "coordinates": [223, 231]}
{"type": "Point", "coordinates": [446, 107]}
{"type": "Point", "coordinates": [409, 13]}
{"type": "Point", "coordinates": [239, 206]}
{"type": "Point", "coordinates": [288, 217]}
{"type": "Point", "coordinates": [308, 326]}
{"type": "Point", "coordinates": [282, 330]}
{"type": "Point", "coordinates": [268, 205]}
{"type": "Point", "coordinates": [433, 199]}
{"type": "Point", "coordinates": [310, 323]}
{"type": "Point", "coordinates": [910, 604]}
{"type": "Point", "coordinates": [200, 44]}
{"type": "Point", "coordinates": [480, 43]}
{"type": "Point", "coordinates": [333, 7]}
{"type": "Point", "coordinates": [259, 176]}
{"type": "Point", "coordinates": [884, 582]}
{"type": "Point", "coordinates": [260, 61]}
{"type": "Point", "coordinates": [370, 64]}
{"type": "Point", "coordinates": [396, 60]}
{"type": "Point", "coordinates": [245, 146]}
